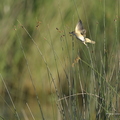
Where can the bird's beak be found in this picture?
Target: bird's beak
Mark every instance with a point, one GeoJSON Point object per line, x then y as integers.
{"type": "Point", "coordinates": [72, 33]}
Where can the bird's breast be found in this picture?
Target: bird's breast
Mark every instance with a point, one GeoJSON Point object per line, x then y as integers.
{"type": "Point", "coordinates": [81, 37]}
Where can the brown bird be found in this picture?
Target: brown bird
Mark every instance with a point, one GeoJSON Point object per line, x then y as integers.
{"type": "Point", "coordinates": [80, 33]}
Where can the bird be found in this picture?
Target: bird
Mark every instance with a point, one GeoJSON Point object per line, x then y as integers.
{"type": "Point", "coordinates": [80, 33]}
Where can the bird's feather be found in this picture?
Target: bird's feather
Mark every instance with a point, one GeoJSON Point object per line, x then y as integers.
{"type": "Point", "coordinates": [80, 29]}
{"type": "Point", "coordinates": [87, 40]}
{"type": "Point", "coordinates": [80, 33]}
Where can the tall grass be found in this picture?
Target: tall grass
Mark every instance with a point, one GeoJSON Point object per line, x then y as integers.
{"type": "Point", "coordinates": [48, 74]}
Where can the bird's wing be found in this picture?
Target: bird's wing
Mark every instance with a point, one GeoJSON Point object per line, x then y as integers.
{"type": "Point", "coordinates": [83, 32]}
{"type": "Point", "coordinates": [79, 26]}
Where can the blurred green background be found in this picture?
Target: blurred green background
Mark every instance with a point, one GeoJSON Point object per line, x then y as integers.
{"type": "Point", "coordinates": [48, 23]}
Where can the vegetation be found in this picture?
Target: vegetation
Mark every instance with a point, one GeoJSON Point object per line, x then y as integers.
{"type": "Point", "coordinates": [47, 74]}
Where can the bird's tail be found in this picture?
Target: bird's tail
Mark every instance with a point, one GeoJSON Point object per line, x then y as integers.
{"type": "Point", "coordinates": [87, 40]}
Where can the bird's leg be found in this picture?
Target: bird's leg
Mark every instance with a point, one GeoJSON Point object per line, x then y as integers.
{"type": "Point", "coordinates": [85, 43]}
